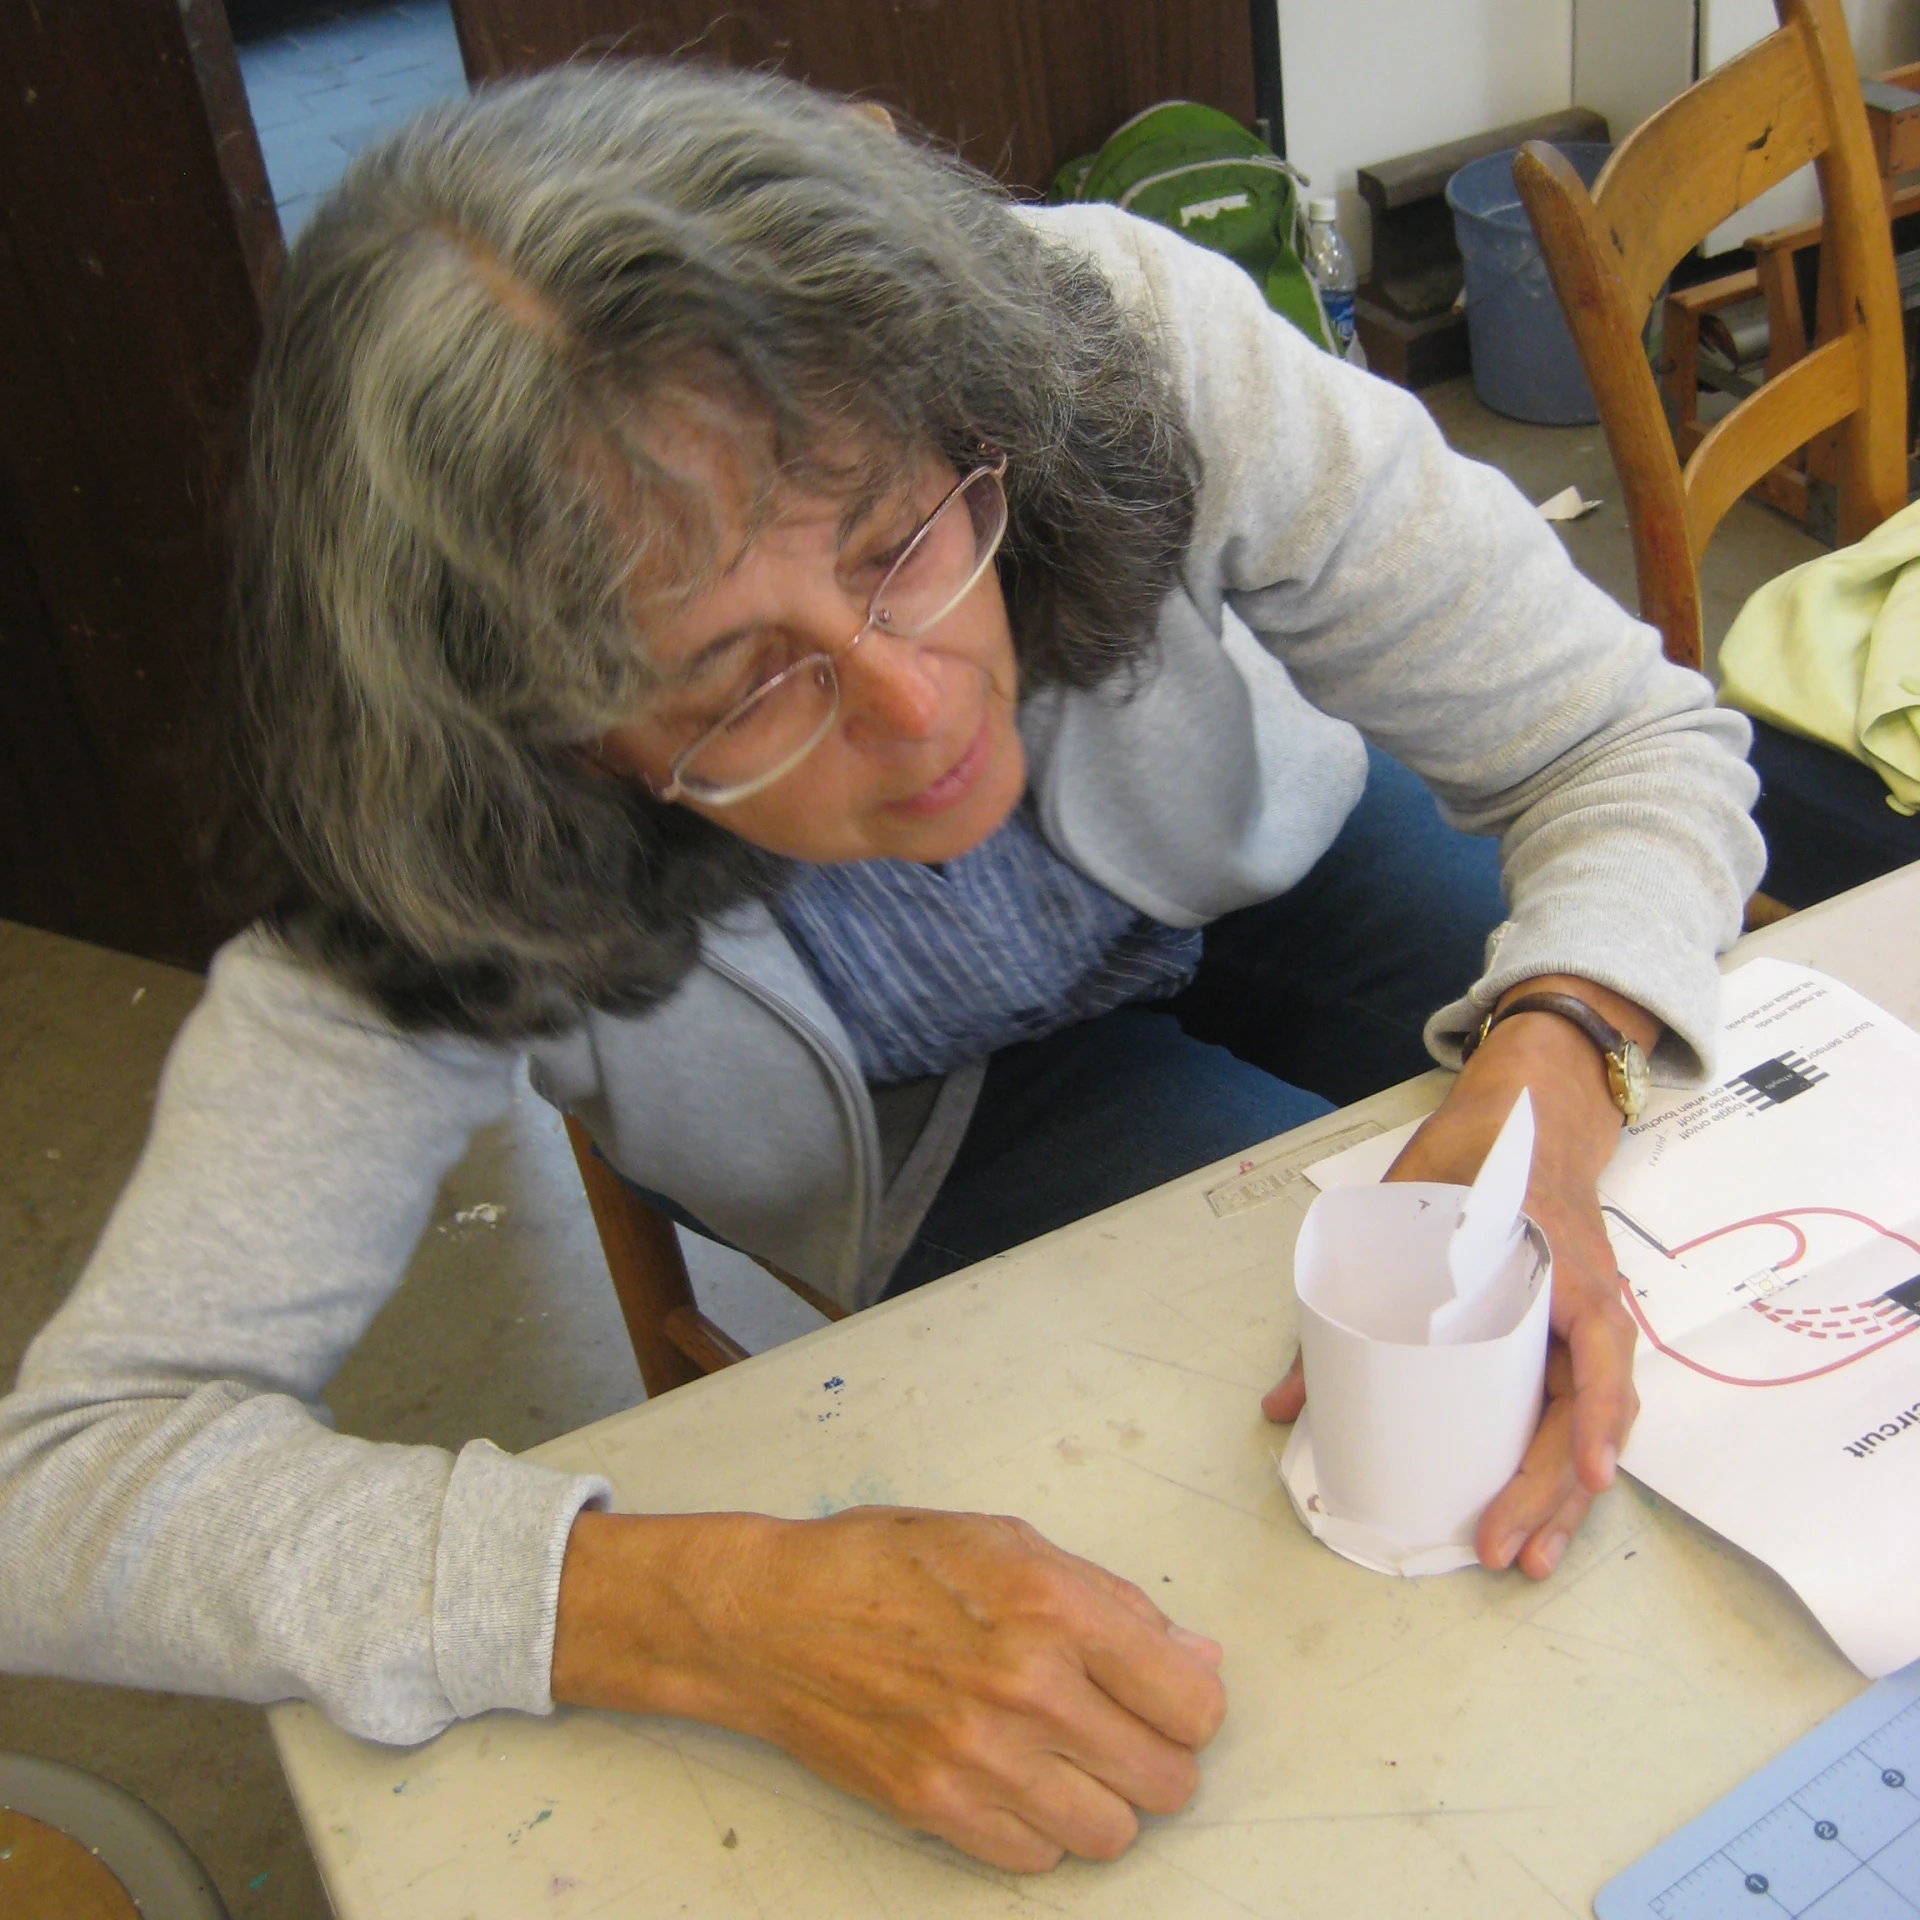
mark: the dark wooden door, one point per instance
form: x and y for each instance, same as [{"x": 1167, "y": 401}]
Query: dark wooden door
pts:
[
  {"x": 137, "y": 238},
  {"x": 1020, "y": 86}
]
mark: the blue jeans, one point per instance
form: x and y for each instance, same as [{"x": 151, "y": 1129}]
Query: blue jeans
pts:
[{"x": 1300, "y": 1004}]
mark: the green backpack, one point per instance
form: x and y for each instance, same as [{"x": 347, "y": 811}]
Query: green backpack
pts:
[{"x": 1200, "y": 172}]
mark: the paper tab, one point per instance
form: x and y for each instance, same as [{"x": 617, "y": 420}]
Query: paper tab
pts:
[{"x": 1489, "y": 1230}]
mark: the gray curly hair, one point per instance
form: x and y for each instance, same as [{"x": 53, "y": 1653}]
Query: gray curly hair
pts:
[{"x": 435, "y": 598}]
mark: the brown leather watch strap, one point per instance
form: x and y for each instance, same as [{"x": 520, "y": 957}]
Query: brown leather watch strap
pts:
[{"x": 1604, "y": 1035}]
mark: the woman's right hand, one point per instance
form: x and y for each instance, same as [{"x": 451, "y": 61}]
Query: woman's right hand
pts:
[{"x": 955, "y": 1669}]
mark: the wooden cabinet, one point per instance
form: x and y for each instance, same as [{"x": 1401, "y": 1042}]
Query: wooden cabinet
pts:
[
  {"x": 137, "y": 238},
  {"x": 1020, "y": 86}
]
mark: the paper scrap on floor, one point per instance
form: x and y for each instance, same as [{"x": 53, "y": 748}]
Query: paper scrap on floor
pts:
[
  {"x": 1567, "y": 504},
  {"x": 1767, "y": 1228}
]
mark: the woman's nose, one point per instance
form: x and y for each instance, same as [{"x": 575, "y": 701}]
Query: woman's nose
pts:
[{"x": 891, "y": 688}]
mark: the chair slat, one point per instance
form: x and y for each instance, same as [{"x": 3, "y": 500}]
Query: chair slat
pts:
[
  {"x": 1704, "y": 156},
  {"x": 1812, "y": 395},
  {"x": 709, "y": 1347}
]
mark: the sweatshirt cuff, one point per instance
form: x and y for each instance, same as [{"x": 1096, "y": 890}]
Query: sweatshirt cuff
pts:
[
  {"x": 496, "y": 1577},
  {"x": 1682, "y": 991}
]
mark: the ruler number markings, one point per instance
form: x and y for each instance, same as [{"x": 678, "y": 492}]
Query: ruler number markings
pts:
[{"x": 1807, "y": 1854}]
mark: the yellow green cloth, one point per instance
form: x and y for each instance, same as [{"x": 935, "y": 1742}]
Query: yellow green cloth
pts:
[{"x": 1831, "y": 650}]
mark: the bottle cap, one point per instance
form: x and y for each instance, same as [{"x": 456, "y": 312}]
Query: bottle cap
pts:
[{"x": 1323, "y": 208}]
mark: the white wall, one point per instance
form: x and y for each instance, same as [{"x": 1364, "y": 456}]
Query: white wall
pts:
[
  {"x": 1630, "y": 57},
  {"x": 1366, "y": 80},
  {"x": 1886, "y": 33}
]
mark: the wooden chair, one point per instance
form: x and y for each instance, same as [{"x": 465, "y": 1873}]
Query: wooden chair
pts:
[
  {"x": 1687, "y": 315},
  {"x": 1792, "y": 98},
  {"x": 673, "y": 1341}
]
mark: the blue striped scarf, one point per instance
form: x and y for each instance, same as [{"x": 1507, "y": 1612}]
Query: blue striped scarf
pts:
[{"x": 930, "y": 968}]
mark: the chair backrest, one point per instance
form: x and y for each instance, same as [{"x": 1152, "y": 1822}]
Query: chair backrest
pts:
[
  {"x": 1020, "y": 88},
  {"x": 1792, "y": 98}
]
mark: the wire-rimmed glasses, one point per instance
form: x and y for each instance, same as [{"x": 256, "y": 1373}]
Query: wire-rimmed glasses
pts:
[{"x": 788, "y": 714}]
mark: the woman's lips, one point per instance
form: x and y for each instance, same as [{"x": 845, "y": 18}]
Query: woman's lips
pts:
[{"x": 958, "y": 781}]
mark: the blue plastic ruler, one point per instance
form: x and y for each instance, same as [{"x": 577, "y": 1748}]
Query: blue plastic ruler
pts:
[{"x": 1830, "y": 1830}]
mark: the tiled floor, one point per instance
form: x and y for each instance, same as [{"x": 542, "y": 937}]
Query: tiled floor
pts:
[{"x": 325, "y": 78}]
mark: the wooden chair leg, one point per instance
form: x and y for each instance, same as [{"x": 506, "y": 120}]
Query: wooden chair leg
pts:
[
  {"x": 1763, "y": 910},
  {"x": 673, "y": 1342},
  {"x": 1786, "y": 329},
  {"x": 1680, "y": 370}
]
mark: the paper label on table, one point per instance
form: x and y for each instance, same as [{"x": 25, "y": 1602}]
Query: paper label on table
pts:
[
  {"x": 1366, "y": 1162},
  {"x": 1254, "y": 1183},
  {"x": 1768, "y": 1234},
  {"x": 1423, "y": 1328}
]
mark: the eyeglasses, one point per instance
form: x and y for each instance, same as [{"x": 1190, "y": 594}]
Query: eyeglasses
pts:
[{"x": 776, "y": 726}]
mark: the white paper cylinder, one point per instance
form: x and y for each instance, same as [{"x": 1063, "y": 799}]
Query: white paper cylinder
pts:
[{"x": 1411, "y": 1440}]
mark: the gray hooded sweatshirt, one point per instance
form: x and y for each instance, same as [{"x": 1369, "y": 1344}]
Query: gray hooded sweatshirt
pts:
[{"x": 175, "y": 1510}]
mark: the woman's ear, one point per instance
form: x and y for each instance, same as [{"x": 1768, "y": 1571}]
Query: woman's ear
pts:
[{"x": 608, "y": 759}]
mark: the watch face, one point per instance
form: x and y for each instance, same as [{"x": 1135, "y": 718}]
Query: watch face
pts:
[{"x": 1631, "y": 1080}]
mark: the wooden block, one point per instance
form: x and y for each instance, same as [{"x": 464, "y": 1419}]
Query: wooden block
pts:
[
  {"x": 1411, "y": 353},
  {"x": 1389, "y": 184},
  {"x": 1893, "y": 115},
  {"x": 1710, "y": 295},
  {"x": 1412, "y": 223}
]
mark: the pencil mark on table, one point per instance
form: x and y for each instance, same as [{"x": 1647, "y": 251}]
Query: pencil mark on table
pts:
[
  {"x": 854, "y": 1818},
  {"x": 737, "y": 1875},
  {"x": 1435, "y": 1812},
  {"x": 1554, "y": 1591},
  {"x": 1538, "y": 1882},
  {"x": 1180, "y": 1867},
  {"x": 1401, "y": 1653},
  {"x": 1615, "y": 1649},
  {"x": 1199, "y": 1493},
  {"x": 1178, "y": 1366}
]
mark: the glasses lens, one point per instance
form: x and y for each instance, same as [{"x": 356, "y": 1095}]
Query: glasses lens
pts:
[
  {"x": 765, "y": 735},
  {"x": 948, "y": 555}
]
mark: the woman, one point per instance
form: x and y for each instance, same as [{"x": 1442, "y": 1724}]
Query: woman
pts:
[{"x": 734, "y": 611}]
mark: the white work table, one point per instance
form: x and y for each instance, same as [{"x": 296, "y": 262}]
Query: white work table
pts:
[{"x": 1474, "y": 1745}]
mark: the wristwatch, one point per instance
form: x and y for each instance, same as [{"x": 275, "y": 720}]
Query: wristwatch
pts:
[{"x": 1627, "y": 1077}]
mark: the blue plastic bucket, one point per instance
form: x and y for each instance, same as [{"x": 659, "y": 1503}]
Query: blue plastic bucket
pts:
[{"x": 1524, "y": 363}]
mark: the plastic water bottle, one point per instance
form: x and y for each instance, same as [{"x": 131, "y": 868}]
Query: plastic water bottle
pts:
[{"x": 1331, "y": 264}]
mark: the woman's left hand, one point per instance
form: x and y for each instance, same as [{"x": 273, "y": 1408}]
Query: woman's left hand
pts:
[{"x": 1591, "y": 1402}]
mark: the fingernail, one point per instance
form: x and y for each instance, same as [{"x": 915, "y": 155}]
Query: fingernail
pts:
[
  {"x": 1551, "y": 1550},
  {"x": 1508, "y": 1550},
  {"x": 1609, "y": 1459}
]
